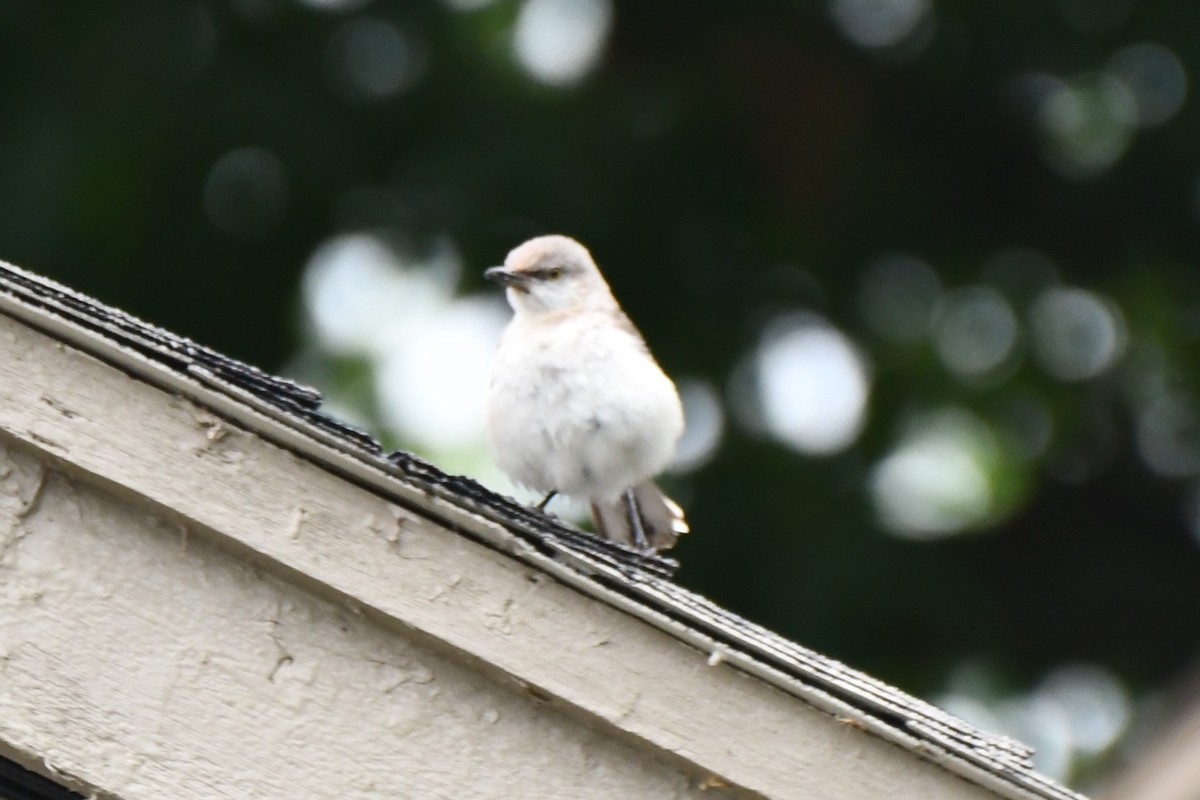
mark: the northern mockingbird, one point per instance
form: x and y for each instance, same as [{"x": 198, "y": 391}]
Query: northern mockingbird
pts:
[{"x": 576, "y": 403}]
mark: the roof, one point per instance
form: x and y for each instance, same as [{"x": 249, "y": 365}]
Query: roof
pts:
[{"x": 609, "y": 573}]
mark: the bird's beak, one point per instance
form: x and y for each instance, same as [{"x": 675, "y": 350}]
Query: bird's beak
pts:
[{"x": 505, "y": 277}]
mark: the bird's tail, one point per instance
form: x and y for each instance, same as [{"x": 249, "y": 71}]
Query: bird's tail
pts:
[{"x": 643, "y": 517}]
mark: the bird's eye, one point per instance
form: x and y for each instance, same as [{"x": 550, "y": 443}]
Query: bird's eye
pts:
[{"x": 554, "y": 274}]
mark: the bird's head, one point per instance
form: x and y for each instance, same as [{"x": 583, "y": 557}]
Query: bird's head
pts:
[{"x": 551, "y": 273}]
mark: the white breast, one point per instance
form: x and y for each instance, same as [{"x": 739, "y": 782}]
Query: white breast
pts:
[{"x": 580, "y": 407}]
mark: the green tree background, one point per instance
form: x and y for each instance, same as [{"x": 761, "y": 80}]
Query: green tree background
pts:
[{"x": 928, "y": 270}]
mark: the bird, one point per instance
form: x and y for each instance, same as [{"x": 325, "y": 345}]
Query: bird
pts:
[{"x": 576, "y": 404}]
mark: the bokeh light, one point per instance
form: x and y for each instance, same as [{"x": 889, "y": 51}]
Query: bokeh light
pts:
[
  {"x": 371, "y": 59},
  {"x": 879, "y": 24},
  {"x": 246, "y": 193},
  {"x": 334, "y": 6},
  {"x": 432, "y": 389},
  {"x": 1086, "y": 122},
  {"x": 897, "y": 297},
  {"x": 1095, "y": 703},
  {"x": 807, "y": 385},
  {"x": 1074, "y": 713},
  {"x": 705, "y": 424},
  {"x": 1077, "y": 334},
  {"x": 430, "y": 350},
  {"x": 357, "y": 291},
  {"x": 558, "y": 42},
  {"x": 1168, "y": 435},
  {"x": 468, "y": 5},
  {"x": 1155, "y": 78},
  {"x": 975, "y": 332},
  {"x": 938, "y": 480}
]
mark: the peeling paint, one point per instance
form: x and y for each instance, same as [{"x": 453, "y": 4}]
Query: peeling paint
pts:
[
  {"x": 414, "y": 672},
  {"x": 388, "y": 530},
  {"x": 630, "y": 706},
  {"x": 298, "y": 515},
  {"x": 59, "y": 407},
  {"x": 446, "y": 589},
  {"x": 712, "y": 782},
  {"x": 502, "y": 620},
  {"x": 8, "y": 545},
  {"x": 34, "y": 501},
  {"x": 220, "y": 439},
  {"x": 214, "y": 429},
  {"x": 21, "y": 491},
  {"x": 283, "y": 661},
  {"x": 46, "y": 441}
]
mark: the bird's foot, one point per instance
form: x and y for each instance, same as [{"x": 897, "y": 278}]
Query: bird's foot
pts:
[{"x": 546, "y": 500}]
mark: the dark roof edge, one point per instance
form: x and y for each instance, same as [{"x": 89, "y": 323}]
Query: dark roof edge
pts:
[{"x": 287, "y": 414}]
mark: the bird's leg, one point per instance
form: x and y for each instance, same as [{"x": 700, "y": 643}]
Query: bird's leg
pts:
[
  {"x": 635, "y": 522},
  {"x": 598, "y": 522},
  {"x": 545, "y": 500}
]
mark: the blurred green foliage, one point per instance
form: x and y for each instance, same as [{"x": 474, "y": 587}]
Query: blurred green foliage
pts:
[{"x": 726, "y": 163}]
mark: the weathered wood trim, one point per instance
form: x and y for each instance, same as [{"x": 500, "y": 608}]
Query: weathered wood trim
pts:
[{"x": 348, "y": 544}]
